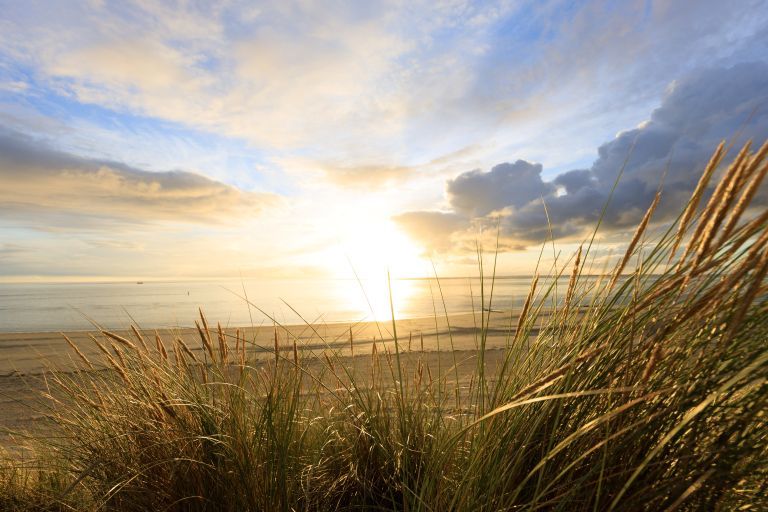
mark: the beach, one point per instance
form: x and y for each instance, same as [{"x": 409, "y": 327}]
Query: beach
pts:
[{"x": 26, "y": 357}]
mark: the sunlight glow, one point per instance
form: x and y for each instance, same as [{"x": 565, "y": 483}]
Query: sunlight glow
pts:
[
  {"x": 370, "y": 297},
  {"x": 370, "y": 249}
]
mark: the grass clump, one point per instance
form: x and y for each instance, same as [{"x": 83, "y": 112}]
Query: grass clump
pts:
[{"x": 642, "y": 390}]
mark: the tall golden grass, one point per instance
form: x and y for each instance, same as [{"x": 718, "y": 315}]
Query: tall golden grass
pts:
[{"x": 643, "y": 391}]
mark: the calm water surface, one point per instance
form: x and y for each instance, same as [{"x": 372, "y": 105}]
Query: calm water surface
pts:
[{"x": 73, "y": 306}]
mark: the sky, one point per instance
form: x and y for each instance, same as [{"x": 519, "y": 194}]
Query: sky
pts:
[{"x": 142, "y": 139}]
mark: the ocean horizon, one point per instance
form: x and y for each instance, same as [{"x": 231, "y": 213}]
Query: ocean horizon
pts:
[{"x": 152, "y": 304}]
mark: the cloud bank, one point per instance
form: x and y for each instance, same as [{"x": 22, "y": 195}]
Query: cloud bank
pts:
[
  {"x": 367, "y": 82},
  {"x": 697, "y": 112},
  {"x": 46, "y": 188}
]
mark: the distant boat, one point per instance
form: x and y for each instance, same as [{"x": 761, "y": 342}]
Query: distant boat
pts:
[{"x": 139, "y": 282}]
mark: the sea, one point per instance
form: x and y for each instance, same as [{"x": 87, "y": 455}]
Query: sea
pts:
[{"x": 44, "y": 307}]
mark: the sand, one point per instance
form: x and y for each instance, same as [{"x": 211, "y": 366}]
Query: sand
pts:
[{"x": 26, "y": 357}]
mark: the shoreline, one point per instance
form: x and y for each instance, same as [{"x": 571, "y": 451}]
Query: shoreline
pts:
[
  {"x": 30, "y": 353},
  {"x": 68, "y": 332},
  {"x": 25, "y": 358}
]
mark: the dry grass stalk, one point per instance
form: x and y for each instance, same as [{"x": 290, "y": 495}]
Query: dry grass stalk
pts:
[
  {"x": 160, "y": 346},
  {"x": 549, "y": 379},
  {"x": 77, "y": 351},
  {"x": 277, "y": 347},
  {"x": 176, "y": 355},
  {"x": 756, "y": 283},
  {"x": 659, "y": 292},
  {"x": 204, "y": 337},
  {"x": 526, "y": 306},
  {"x": 77, "y": 394},
  {"x": 749, "y": 261},
  {"x": 573, "y": 279},
  {"x": 656, "y": 355},
  {"x": 166, "y": 407},
  {"x": 746, "y": 233},
  {"x": 374, "y": 359},
  {"x": 418, "y": 374},
  {"x": 744, "y": 201},
  {"x": 120, "y": 356},
  {"x": 698, "y": 192},
  {"x": 734, "y": 180},
  {"x": 725, "y": 291},
  {"x": 205, "y": 325},
  {"x": 99, "y": 345},
  {"x": 755, "y": 161},
  {"x": 712, "y": 205},
  {"x": 635, "y": 239},
  {"x": 389, "y": 359},
  {"x": 183, "y": 364},
  {"x": 120, "y": 339},
  {"x": 186, "y": 350},
  {"x": 140, "y": 338},
  {"x": 97, "y": 393},
  {"x": 110, "y": 359},
  {"x": 714, "y": 298},
  {"x": 223, "y": 348}
]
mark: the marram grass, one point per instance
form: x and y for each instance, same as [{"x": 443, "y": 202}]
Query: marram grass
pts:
[{"x": 645, "y": 390}]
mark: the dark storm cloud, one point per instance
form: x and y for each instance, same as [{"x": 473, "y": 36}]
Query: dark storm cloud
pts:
[
  {"x": 697, "y": 112},
  {"x": 478, "y": 193},
  {"x": 573, "y": 181}
]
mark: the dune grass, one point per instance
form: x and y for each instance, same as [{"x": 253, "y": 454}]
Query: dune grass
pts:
[{"x": 643, "y": 390}]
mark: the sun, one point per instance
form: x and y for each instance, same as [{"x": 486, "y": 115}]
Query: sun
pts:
[
  {"x": 371, "y": 260},
  {"x": 371, "y": 248},
  {"x": 376, "y": 249}
]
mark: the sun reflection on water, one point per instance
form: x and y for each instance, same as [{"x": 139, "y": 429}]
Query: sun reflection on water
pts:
[{"x": 370, "y": 298}]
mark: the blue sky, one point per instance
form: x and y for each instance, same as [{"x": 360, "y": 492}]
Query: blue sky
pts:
[{"x": 284, "y": 138}]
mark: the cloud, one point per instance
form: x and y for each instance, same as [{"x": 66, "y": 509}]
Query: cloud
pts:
[
  {"x": 696, "y": 113},
  {"x": 434, "y": 229},
  {"x": 376, "y": 96},
  {"x": 476, "y": 193},
  {"x": 376, "y": 83},
  {"x": 366, "y": 175},
  {"x": 573, "y": 181},
  {"x": 9, "y": 250},
  {"x": 51, "y": 189},
  {"x": 278, "y": 78},
  {"x": 125, "y": 65}
]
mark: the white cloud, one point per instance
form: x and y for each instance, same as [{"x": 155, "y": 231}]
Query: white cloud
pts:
[
  {"x": 372, "y": 81},
  {"x": 49, "y": 189},
  {"x": 698, "y": 111}
]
